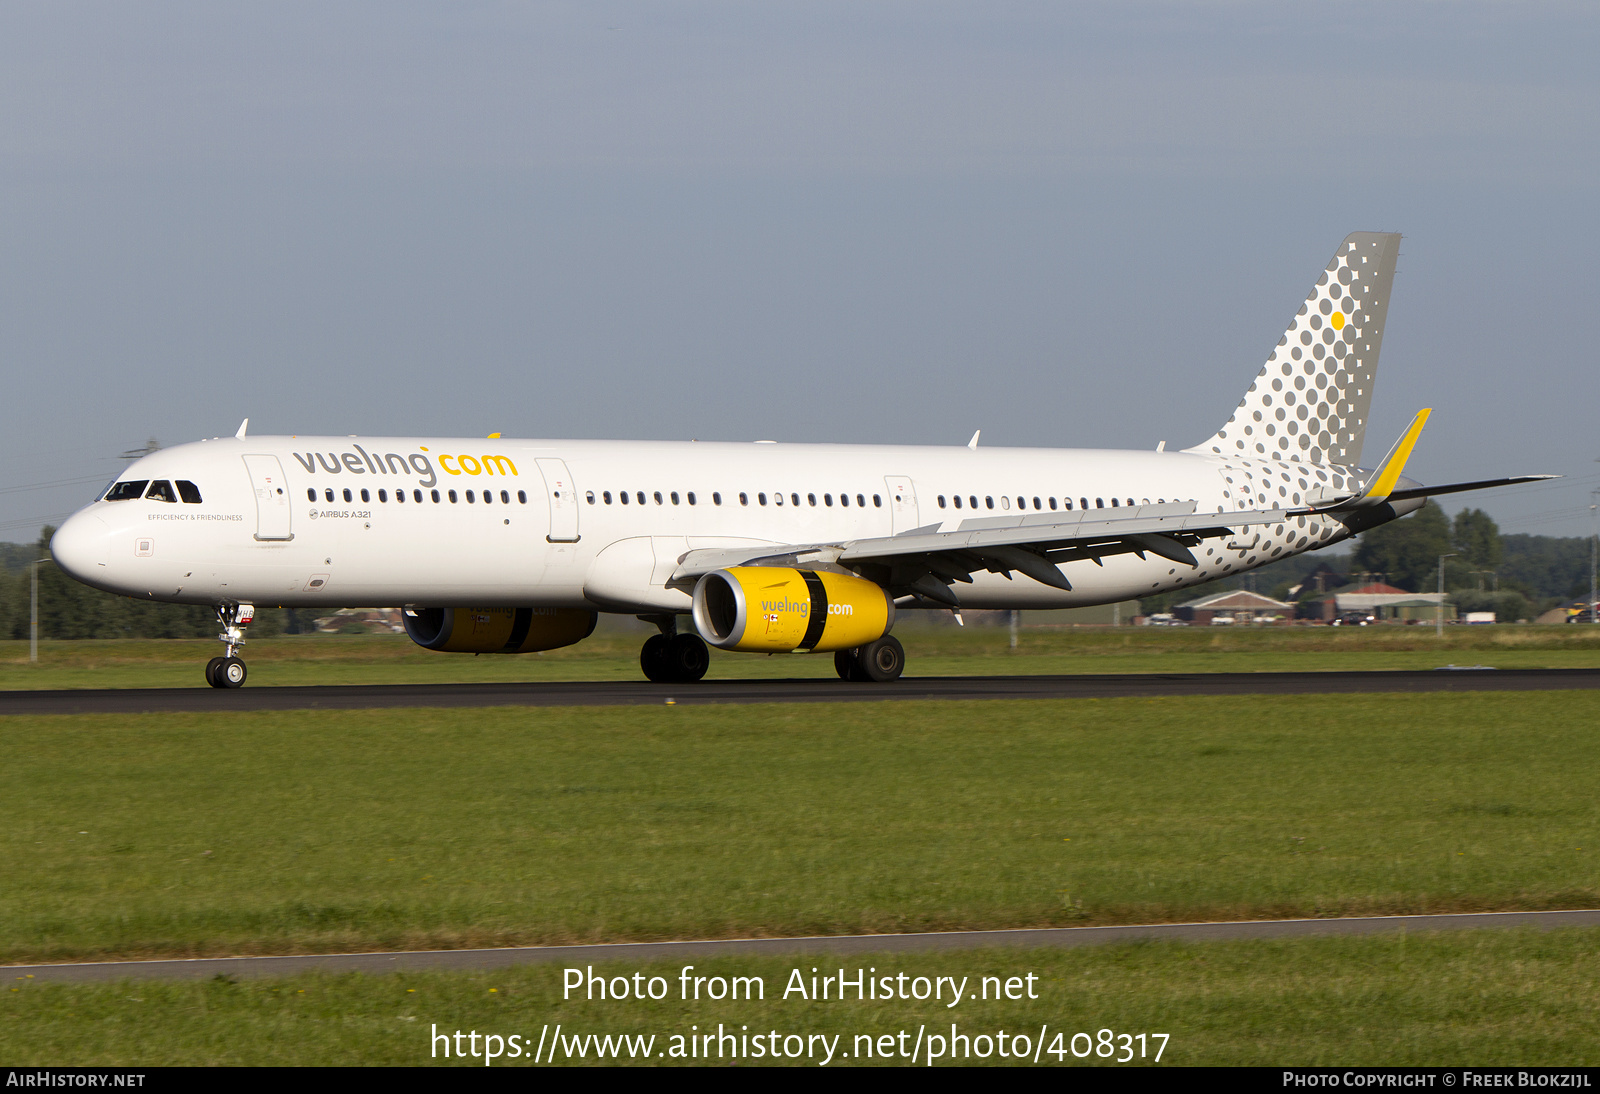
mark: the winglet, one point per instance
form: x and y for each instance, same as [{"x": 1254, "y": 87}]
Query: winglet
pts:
[
  {"x": 1388, "y": 473},
  {"x": 973, "y": 444},
  {"x": 244, "y": 425}
]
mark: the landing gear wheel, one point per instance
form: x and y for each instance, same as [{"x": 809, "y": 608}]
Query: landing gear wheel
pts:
[
  {"x": 653, "y": 659},
  {"x": 687, "y": 658},
  {"x": 883, "y": 660},
  {"x": 846, "y": 664},
  {"x": 211, "y": 671},
  {"x": 229, "y": 674}
]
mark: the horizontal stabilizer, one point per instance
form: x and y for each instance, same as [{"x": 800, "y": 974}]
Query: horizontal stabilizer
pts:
[{"x": 1460, "y": 487}]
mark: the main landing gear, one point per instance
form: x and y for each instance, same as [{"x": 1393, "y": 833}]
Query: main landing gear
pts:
[
  {"x": 878, "y": 662},
  {"x": 670, "y": 657},
  {"x": 228, "y": 671}
]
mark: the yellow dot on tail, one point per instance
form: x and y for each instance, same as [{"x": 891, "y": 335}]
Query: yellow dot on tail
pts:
[{"x": 1338, "y": 320}]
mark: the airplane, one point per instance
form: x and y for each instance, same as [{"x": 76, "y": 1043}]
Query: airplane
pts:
[{"x": 497, "y": 545}]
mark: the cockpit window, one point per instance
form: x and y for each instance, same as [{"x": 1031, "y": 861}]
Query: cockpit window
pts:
[
  {"x": 127, "y": 491},
  {"x": 189, "y": 492},
  {"x": 161, "y": 490}
]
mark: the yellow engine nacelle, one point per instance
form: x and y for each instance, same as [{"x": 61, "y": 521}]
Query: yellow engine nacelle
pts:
[
  {"x": 771, "y": 609},
  {"x": 498, "y": 630}
]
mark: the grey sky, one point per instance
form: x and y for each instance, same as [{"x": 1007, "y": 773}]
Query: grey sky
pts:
[{"x": 1067, "y": 225}]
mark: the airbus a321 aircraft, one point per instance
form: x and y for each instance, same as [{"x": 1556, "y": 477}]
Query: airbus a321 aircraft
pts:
[{"x": 511, "y": 546}]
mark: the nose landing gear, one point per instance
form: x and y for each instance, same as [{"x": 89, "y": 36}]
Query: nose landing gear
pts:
[{"x": 228, "y": 671}]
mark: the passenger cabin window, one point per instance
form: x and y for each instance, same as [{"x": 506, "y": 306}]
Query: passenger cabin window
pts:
[
  {"x": 744, "y": 498},
  {"x": 452, "y": 497},
  {"x": 762, "y": 498},
  {"x": 469, "y": 497},
  {"x": 505, "y": 497},
  {"x": 605, "y": 496},
  {"x": 777, "y": 499},
  {"x": 400, "y": 496},
  {"x": 957, "y": 500},
  {"x": 941, "y": 501},
  {"x": 812, "y": 498},
  {"x": 988, "y": 502},
  {"x": 796, "y": 499},
  {"x": 1052, "y": 503},
  {"x": 435, "y": 495},
  {"x": 588, "y": 496},
  {"x": 347, "y": 496},
  {"x": 861, "y": 500},
  {"x": 189, "y": 492},
  {"x": 689, "y": 497},
  {"x": 877, "y": 501},
  {"x": 311, "y": 493},
  {"x": 127, "y": 491},
  {"x": 638, "y": 496},
  {"x": 522, "y": 497},
  {"x": 972, "y": 501},
  {"x": 658, "y": 497},
  {"x": 1115, "y": 503},
  {"x": 1099, "y": 503},
  {"x": 328, "y": 494},
  {"x": 844, "y": 500},
  {"x": 624, "y": 496},
  {"x": 383, "y": 495},
  {"x": 161, "y": 490},
  {"x": 365, "y": 496},
  {"x": 674, "y": 497},
  {"x": 827, "y": 499}
]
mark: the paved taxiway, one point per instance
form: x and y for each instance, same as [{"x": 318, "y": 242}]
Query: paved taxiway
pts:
[
  {"x": 468, "y": 960},
  {"x": 641, "y": 693}
]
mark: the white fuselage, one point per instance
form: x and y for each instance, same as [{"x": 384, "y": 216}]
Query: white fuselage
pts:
[{"x": 315, "y": 521}]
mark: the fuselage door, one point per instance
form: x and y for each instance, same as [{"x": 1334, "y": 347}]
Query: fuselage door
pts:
[
  {"x": 902, "y": 503},
  {"x": 272, "y": 497},
  {"x": 558, "y": 490}
]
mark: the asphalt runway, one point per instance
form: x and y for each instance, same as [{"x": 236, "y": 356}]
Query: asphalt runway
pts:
[
  {"x": 642, "y": 693},
  {"x": 840, "y": 945}
]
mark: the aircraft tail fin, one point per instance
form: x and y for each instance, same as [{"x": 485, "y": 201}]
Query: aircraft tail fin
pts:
[{"x": 1310, "y": 400}]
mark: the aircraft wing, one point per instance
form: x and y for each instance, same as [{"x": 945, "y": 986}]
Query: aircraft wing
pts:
[{"x": 925, "y": 561}]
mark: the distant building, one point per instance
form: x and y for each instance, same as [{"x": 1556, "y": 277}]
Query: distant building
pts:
[
  {"x": 362, "y": 620},
  {"x": 1385, "y": 603},
  {"x": 1236, "y": 606}
]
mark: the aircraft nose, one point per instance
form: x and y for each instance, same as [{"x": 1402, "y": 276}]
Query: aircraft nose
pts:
[{"x": 79, "y": 546}]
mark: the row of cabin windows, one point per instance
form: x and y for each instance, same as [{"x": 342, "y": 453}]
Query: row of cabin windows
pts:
[
  {"x": 416, "y": 495},
  {"x": 638, "y": 497},
  {"x": 160, "y": 490},
  {"x": 971, "y": 502}
]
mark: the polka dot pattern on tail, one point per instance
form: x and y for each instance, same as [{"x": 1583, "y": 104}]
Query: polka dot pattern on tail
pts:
[{"x": 1310, "y": 400}]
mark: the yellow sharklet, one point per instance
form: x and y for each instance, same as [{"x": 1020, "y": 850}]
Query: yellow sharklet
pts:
[{"x": 1394, "y": 463}]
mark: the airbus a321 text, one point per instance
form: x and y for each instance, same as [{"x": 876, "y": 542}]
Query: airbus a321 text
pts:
[{"x": 511, "y": 546}]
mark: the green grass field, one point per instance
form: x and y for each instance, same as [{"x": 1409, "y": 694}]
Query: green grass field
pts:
[
  {"x": 1462, "y": 998},
  {"x": 612, "y": 654},
  {"x": 183, "y": 834}
]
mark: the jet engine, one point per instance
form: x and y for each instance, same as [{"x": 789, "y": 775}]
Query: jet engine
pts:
[
  {"x": 498, "y": 630},
  {"x": 770, "y": 609}
]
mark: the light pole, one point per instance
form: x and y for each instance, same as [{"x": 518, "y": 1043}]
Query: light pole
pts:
[
  {"x": 1594, "y": 557},
  {"x": 33, "y": 611},
  {"x": 1439, "y": 614}
]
